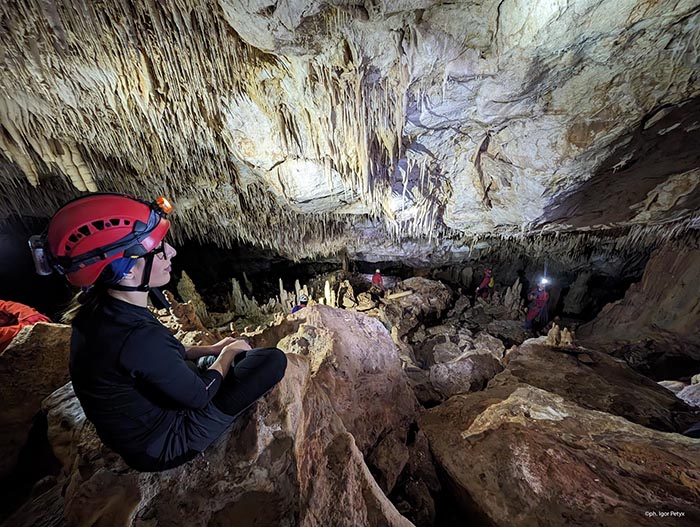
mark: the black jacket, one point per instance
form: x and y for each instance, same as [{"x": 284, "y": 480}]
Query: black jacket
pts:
[{"x": 130, "y": 375}]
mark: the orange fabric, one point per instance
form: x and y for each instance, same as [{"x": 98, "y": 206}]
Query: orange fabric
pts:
[{"x": 13, "y": 317}]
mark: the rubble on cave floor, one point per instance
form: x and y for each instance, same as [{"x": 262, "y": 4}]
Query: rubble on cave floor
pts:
[{"x": 347, "y": 421}]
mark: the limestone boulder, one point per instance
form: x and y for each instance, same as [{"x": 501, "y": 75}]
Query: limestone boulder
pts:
[
  {"x": 467, "y": 374},
  {"x": 510, "y": 332},
  {"x": 489, "y": 345},
  {"x": 690, "y": 394},
  {"x": 288, "y": 461},
  {"x": 516, "y": 455},
  {"x": 674, "y": 386},
  {"x": 463, "y": 344},
  {"x": 446, "y": 343},
  {"x": 596, "y": 381},
  {"x": 429, "y": 299},
  {"x": 183, "y": 320},
  {"x": 31, "y": 368},
  {"x": 355, "y": 361},
  {"x": 444, "y": 352}
]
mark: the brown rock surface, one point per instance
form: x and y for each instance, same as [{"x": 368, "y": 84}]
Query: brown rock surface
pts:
[
  {"x": 428, "y": 301},
  {"x": 184, "y": 322},
  {"x": 356, "y": 363},
  {"x": 659, "y": 316},
  {"x": 32, "y": 366},
  {"x": 596, "y": 381},
  {"x": 522, "y": 456},
  {"x": 288, "y": 461},
  {"x": 297, "y": 458}
]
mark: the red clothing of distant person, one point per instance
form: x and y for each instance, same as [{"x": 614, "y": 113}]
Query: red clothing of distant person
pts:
[
  {"x": 378, "y": 280},
  {"x": 537, "y": 304},
  {"x": 486, "y": 284},
  {"x": 13, "y": 317}
]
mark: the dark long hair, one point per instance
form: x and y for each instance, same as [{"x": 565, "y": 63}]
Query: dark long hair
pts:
[
  {"x": 87, "y": 301},
  {"x": 84, "y": 304}
]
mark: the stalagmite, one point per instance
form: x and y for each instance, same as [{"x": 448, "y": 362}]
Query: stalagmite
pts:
[{"x": 188, "y": 292}]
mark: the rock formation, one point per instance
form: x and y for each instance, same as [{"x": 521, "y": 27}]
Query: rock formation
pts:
[
  {"x": 555, "y": 440},
  {"x": 655, "y": 326},
  {"x": 517, "y": 455},
  {"x": 32, "y": 367},
  {"x": 300, "y": 457},
  {"x": 532, "y": 135},
  {"x": 673, "y": 268}
]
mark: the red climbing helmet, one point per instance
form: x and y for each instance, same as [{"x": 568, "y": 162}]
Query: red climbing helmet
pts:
[{"x": 90, "y": 232}]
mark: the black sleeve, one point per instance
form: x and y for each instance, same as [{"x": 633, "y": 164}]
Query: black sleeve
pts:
[{"x": 154, "y": 355}]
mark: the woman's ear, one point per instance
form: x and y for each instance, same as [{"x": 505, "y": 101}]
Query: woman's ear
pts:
[{"x": 133, "y": 272}]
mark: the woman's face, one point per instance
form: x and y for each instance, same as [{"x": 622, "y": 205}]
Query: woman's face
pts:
[
  {"x": 160, "y": 271},
  {"x": 162, "y": 265}
]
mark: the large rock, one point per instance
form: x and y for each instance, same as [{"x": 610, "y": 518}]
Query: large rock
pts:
[
  {"x": 447, "y": 342},
  {"x": 297, "y": 458},
  {"x": 429, "y": 299},
  {"x": 654, "y": 327},
  {"x": 31, "y": 368},
  {"x": 489, "y": 345},
  {"x": 596, "y": 381},
  {"x": 674, "y": 386},
  {"x": 510, "y": 332},
  {"x": 467, "y": 374},
  {"x": 691, "y": 395},
  {"x": 288, "y": 461},
  {"x": 519, "y": 456},
  {"x": 354, "y": 359}
]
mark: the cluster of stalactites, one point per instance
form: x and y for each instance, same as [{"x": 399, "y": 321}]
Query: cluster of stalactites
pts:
[
  {"x": 576, "y": 248},
  {"x": 95, "y": 98}
]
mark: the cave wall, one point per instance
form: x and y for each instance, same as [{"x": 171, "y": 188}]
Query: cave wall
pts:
[{"x": 665, "y": 303}]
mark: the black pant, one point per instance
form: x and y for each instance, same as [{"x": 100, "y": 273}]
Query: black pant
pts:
[{"x": 252, "y": 375}]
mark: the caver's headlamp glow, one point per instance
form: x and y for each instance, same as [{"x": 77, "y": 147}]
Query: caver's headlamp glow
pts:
[{"x": 543, "y": 281}]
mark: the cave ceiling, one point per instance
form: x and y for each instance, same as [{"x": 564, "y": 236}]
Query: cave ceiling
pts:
[{"x": 386, "y": 128}]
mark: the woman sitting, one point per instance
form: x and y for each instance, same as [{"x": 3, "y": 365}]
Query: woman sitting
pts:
[{"x": 131, "y": 375}]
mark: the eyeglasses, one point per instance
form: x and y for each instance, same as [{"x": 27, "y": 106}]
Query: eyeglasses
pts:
[{"x": 160, "y": 251}]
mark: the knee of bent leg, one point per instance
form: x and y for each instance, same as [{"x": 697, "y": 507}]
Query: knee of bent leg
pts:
[{"x": 277, "y": 363}]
